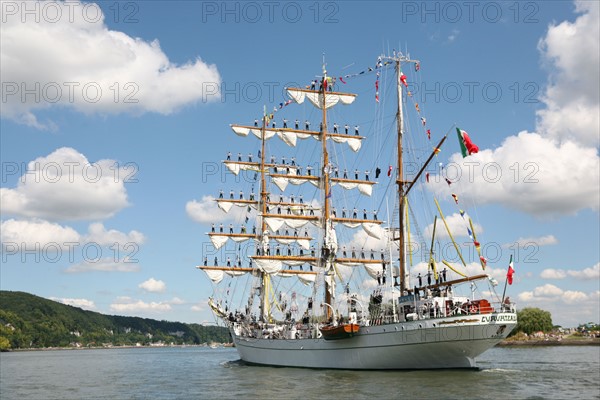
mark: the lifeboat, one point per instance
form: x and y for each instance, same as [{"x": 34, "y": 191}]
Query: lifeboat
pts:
[{"x": 338, "y": 332}]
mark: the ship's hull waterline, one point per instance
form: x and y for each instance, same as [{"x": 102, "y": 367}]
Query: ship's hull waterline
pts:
[{"x": 424, "y": 344}]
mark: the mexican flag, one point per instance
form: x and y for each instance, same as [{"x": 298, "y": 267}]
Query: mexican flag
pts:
[
  {"x": 467, "y": 147},
  {"x": 511, "y": 271}
]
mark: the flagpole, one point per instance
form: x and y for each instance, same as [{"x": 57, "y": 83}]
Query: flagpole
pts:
[{"x": 505, "y": 282}]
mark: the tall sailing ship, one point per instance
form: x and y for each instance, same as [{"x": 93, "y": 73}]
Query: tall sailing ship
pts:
[{"x": 302, "y": 287}]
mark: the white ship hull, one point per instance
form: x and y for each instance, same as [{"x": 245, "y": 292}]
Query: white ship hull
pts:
[{"x": 451, "y": 342}]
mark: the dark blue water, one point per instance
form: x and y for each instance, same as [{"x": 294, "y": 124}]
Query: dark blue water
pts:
[{"x": 204, "y": 373}]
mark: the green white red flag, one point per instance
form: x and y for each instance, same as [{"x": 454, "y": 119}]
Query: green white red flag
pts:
[
  {"x": 511, "y": 271},
  {"x": 467, "y": 147}
]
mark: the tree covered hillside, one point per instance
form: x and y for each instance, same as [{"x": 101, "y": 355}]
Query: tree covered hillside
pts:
[{"x": 28, "y": 321}]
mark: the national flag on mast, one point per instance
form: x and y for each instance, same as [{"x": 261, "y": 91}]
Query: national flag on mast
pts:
[
  {"x": 511, "y": 271},
  {"x": 467, "y": 147},
  {"x": 390, "y": 169},
  {"x": 403, "y": 79}
]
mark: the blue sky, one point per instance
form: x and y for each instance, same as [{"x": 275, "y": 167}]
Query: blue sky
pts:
[{"x": 521, "y": 78}]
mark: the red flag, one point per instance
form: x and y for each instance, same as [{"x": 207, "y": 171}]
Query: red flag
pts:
[
  {"x": 427, "y": 176},
  {"x": 448, "y": 181},
  {"x": 429, "y": 134},
  {"x": 511, "y": 271},
  {"x": 455, "y": 197},
  {"x": 403, "y": 79},
  {"x": 483, "y": 261},
  {"x": 390, "y": 169},
  {"x": 341, "y": 80}
]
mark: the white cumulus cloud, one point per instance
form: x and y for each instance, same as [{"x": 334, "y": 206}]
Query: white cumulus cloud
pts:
[
  {"x": 556, "y": 169},
  {"x": 127, "y": 305},
  {"x": 65, "y": 186},
  {"x": 36, "y": 234},
  {"x": 105, "y": 264},
  {"x": 153, "y": 285},
  {"x": 81, "y": 303},
  {"x": 571, "y": 50},
  {"x": 555, "y": 178},
  {"x": 584, "y": 274},
  {"x": 91, "y": 68},
  {"x": 97, "y": 233},
  {"x": 206, "y": 211},
  {"x": 537, "y": 241},
  {"x": 551, "y": 273}
]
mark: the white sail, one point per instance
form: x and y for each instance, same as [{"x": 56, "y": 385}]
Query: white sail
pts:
[
  {"x": 237, "y": 167},
  {"x": 214, "y": 275},
  {"x": 364, "y": 188},
  {"x": 269, "y": 266},
  {"x": 354, "y": 142},
  {"x": 289, "y": 138},
  {"x": 226, "y": 205},
  {"x": 373, "y": 230},
  {"x": 304, "y": 243},
  {"x": 374, "y": 270},
  {"x": 316, "y": 98},
  {"x": 218, "y": 241},
  {"x": 276, "y": 223}
]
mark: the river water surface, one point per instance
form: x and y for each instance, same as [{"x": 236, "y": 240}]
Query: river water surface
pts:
[{"x": 562, "y": 372}]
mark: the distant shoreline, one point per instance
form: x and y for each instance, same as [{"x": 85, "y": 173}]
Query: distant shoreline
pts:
[
  {"x": 504, "y": 343},
  {"x": 550, "y": 342},
  {"x": 219, "y": 345}
]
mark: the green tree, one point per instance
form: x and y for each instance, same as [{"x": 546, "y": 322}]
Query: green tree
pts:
[
  {"x": 533, "y": 320},
  {"x": 4, "y": 343}
]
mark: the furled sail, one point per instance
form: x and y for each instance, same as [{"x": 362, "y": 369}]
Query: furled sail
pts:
[
  {"x": 236, "y": 167},
  {"x": 316, "y": 98}
]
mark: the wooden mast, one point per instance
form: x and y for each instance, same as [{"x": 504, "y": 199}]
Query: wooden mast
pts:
[
  {"x": 326, "y": 188},
  {"x": 400, "y": 181},
  {"x": 264, "y": 307}
]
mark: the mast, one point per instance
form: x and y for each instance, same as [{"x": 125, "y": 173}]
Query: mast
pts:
[
  {"x": 326, "y": 189},
  {"x": 397, "y": 58},
  {"x": 263, "y": 201},
  {"x": 400, "y": 181}
]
